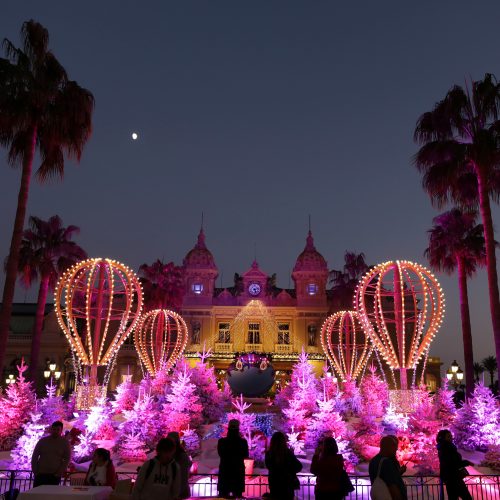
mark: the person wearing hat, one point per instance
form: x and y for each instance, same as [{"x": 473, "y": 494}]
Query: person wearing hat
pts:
[{"x": 232, "y": 449}]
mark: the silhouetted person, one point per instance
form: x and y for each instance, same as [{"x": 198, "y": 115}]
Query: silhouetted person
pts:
[
  {"x": 452, "y": 467},
  {"x": 328, "y": 467},
  {"x": 184, "y": 462},
  {"x": 283, "y": 467},
  {"x": 160, "y": 477},
  {"x": 51, "y": 457},
  {"x": 233, "y": 450},
  {"x": 390, "y": 471},
  {"x": 101, "y": 470}
]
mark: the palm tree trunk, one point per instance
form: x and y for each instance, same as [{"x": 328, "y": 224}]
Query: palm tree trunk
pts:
[
  {"x": 491, "y": 263},
  {"x": 466, "y": 328},
  {"x": 15, "y": 244},
  {"x": 37, "y": 331}
]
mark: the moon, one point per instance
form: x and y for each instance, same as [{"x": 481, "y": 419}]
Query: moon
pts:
[{"x": 134, "y": 136}]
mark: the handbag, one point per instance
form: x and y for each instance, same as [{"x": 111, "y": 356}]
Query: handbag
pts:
[
  {"x": 346, "y": 483},
  {"x": 380, "y": 490}
]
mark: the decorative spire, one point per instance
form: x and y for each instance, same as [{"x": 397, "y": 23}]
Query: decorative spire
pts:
[
  {"x": 201, "y": 239},
  {"x": 310, "y": 242}
]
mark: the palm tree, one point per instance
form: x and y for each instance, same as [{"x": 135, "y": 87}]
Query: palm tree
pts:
[
  {"x": 46, "y": 252},
  {"x": 163, "y": 285},
  {"x": 490, "y": 365},
  {"x": 344, "y": 281},
  {"x": 478, "y": 370},
  {"x": 460, "y": 161},
  {"x": 456, "y": 243},
  {"x": 40, "y": 108}
]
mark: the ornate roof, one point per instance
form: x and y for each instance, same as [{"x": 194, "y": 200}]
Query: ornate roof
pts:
[
  {"x": 310, "y": 259},
  {"x": 200, "y": 256}
]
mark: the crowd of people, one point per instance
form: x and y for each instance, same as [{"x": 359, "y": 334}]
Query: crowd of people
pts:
[{"x": 166, "y": 475}]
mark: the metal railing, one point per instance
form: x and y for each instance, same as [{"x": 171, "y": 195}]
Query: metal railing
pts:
[{"x": 485, "y": 487}]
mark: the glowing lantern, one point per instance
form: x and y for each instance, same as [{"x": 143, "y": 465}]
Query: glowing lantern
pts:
[
  {"x": 160, "y": 339},
  {"x": 98, "y": 303},
  {"x": 401, "y": 306},
  {"x": 345, "y": 344}
]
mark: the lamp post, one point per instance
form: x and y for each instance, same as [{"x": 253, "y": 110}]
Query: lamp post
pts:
[
  {"x": 51, "y": 372},
  {"x": 10, "y": 379},
  {"x": 455, "y": 375}
]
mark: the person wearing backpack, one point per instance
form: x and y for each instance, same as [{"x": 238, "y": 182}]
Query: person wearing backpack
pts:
[
  {"x": 386, "y": 473},
  {"x": 159, "y": 478}
]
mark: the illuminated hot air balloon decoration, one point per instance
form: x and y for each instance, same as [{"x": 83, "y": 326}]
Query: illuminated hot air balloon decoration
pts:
[
  {"x": 401, "y": 306},
  {"x": 160, "y": 339},
  {"x": 345, "y": 344},
  {"x": 98, "y": 303}
]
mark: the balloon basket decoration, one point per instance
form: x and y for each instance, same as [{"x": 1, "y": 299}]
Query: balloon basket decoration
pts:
[
  {"x": 401, "y": 307},
  {"x": 160, "y": 339},
  {"x": 346, "y": 345},
  {"x": 87, "y": 396},
  {"x": 98, "y": 303}
]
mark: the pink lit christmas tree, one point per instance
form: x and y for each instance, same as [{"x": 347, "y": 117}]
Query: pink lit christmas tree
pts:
[
  {"x": 98, "y": 422},
  {"x": 52, "y": 407},
  {"x": 351, "y": 397},
  {"x": 182, "y": 408},
  {"x": 299, "y": 397},
  {"x": 33, "y": 430},
  {"x": 125, "y": 397},
  {"x": 85, "y": 448},
  {"x": 325, "y": 422},
  {"x": 133, "y": 448},
  {"x": 374, "y": 394},
  {"x": 477, "y": 425},
  {"x": 15, "y": 408},
  {"x": 444, "y": 407},
  {"x": 212, "y": 400},
  {"x": 142, "y": 419}
]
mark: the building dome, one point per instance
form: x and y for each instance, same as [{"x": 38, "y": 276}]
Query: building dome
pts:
[
  {"x": 310, "y": 259},
  {"x": 200, "y": 256}
]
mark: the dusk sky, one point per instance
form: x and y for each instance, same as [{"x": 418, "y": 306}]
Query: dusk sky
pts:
[{"x": 258, "y": 113}]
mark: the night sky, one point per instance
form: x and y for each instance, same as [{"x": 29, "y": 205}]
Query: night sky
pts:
[{"x": 258, "y": 113}]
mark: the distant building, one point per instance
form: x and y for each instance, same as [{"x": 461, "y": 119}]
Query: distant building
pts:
[{"x": 254, "y": 315}]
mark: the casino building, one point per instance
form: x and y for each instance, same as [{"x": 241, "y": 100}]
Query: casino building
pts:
[{"x": 254, "y": 315}]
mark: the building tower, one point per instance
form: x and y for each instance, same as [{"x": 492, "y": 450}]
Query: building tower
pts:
[
  {"x": 200, "y": 273},
  {"x": 310, "y": 275}
]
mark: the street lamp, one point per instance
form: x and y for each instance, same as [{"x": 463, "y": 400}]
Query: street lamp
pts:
[{"x": 455, "y": 375}]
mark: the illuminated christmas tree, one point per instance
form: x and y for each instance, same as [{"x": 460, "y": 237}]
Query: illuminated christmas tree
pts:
[
  {"x": 325, "y": 422},
  {"x": 33, "y": 430},
  {"x": 351, "y": 397},
  {"x": 52, "y": 407},
  {"x": 132, "y": 448},
  {"x": 182, "y": 408},
  {"x": 212, "y": 400},
  {"x": 477, "y": 424},
  {"x": 125, "y": 397},
  {"x": 142, "y": 419},
  {"x": 98, "y": 422},
  {"x": 85, "y": 448},
  {"x": 444, "y": 407},
  {"x": 15, "y": 408},
  {"x": 374, "y": 394},
  {"x": 299, "y": 397}
]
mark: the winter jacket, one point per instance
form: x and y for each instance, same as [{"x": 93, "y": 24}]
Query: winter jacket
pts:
[{"x": 450, "y": 461}]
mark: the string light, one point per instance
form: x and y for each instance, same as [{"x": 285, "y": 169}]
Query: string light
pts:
[
  {"x": 160, "y": 339},
  {"x": 345, "y": 344},
  {"x": 401, "y": 307}
]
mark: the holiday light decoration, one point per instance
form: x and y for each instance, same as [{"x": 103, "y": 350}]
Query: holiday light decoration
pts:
[
  {"x": 401, "y": 306},
  {"x": 160, "y": 339},
  {"x": 98, "y": 303},
  {"x": 345, "y": 344}
]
